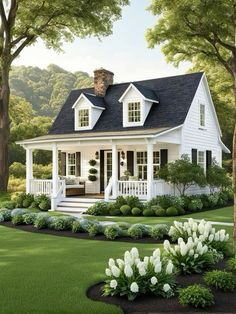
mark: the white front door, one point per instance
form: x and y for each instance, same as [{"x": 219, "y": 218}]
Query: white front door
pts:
[{"x": 107, "y": 167}]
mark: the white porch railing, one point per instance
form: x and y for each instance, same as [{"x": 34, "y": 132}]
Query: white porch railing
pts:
[
  {"x": 40, "y": 186},
  {"x": 135, "y": 188},
  {"x": 160, "y": 187}
]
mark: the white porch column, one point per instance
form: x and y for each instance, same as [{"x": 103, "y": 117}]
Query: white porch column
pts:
[
  {"x": 29, "y": 168},
  {"x": 149, "y": 170},
  {"x": 114, "y": 170},
  {"x": 54, "y": 170}
]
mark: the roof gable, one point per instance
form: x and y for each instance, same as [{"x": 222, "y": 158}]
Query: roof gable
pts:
[
  {"x": 175, "y": 95},
  {"x": 94, "y": 101},
  {"x": 145, "y": 92}
]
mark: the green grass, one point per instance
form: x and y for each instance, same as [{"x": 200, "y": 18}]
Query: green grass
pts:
[
  {"x": 221, "y": 215},
  {"x": 48, "y": 274}
]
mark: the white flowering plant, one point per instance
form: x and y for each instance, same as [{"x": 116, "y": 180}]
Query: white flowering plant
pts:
[
  {"x": 191, "y": 256},
  {"x": 133, "y": 275},
  {"x": 202, "y": 230}
]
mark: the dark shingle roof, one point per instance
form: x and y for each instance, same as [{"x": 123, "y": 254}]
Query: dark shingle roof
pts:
[
  {"x": 175, "y": 95},
  {"x": 146, "y": 92},
  {"x": 95, "y": 100}
]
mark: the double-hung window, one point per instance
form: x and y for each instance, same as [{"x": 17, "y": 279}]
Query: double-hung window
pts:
[
  {"x": 142, "y": 164},
  {"x": 202, "y": 116},
  {"x": 83, "y": 118},
  {"x": 156, "y": 164},
  {"x": 201, "y": 159},
  {"x": 71, "y": 164},
  {"x": 134, "y": 112}
]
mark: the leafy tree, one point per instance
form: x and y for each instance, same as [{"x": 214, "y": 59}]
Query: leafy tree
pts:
[
  {"x": 46, "y": 89},
  {"x": 183, "y": 174},
  {"x": 217, "y": 177},
  {"x": 202, "y": 30},
  {"x": 23, "y": 22},
  {"x": 24, "y": 124}
]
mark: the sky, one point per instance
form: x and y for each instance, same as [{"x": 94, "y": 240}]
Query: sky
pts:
[{"x": 125, "y": 52}]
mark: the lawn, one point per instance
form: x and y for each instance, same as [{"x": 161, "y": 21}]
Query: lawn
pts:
[
  {"x": 221, "y": 215},
  {"x": 49, "y": 274}
]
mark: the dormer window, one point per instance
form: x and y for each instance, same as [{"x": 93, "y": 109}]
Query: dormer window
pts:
[
  {"x": 87, "y": 110},
  {"x": 134, "y": 112},
  {"x": 83, "y": 118},
  {"x": 137, "y": 101}
]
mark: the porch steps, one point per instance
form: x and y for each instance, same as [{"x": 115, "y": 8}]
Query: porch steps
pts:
[{"x": 76, "y": 205}]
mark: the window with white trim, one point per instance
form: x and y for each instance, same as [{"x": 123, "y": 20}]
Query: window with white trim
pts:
[
  {"x": 83, "y": 118},
  {"x": 134, "y": 112},
  {"x": 156, "y": 164},
  {"x": 201, "y": 159},
  {"x": 71, "y": 164},
  {"x": 202, "y": 116},
  {"x": 142, "y": 164}
]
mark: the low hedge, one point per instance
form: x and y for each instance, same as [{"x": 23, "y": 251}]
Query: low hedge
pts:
[
  {"x": 160, "y": 206},
  {"x": 20, "y": 216}
]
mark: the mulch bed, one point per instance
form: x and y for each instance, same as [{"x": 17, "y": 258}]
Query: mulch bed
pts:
[
  {"x": 225, "y": 302},
  {"x": 82, "y": 235}
]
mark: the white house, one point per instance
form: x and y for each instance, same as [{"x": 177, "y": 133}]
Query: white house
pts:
[{"x": 134, "y": 126}]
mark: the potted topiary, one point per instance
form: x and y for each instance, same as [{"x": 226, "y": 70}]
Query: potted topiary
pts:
[
  {"x": 92, "y": 162},
  {"x": 92, "y": 178}
]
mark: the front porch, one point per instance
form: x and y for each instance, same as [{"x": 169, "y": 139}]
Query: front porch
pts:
[{"x": 104, "y": 167}]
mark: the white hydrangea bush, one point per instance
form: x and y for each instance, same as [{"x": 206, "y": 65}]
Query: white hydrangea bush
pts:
[
  {"x": 191, "y": 256},
  {"x": 133, "y": 275},
  {"x": 202, "y": 230}
]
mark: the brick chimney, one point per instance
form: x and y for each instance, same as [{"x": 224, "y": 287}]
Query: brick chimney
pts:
[{"x": 102, "y": 79}]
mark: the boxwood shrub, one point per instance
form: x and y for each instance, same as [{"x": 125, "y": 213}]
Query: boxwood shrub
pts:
[
  {"x": 172, "y": 211},
  {"x": 112, "y": 232},
  {"x": 136, "y": 211},
  {"x": 159, "y": 231},
  {"x": 125, "y": 210},
  {"x": 221, "y": 280},
  {"x": 196, "y": 296}
]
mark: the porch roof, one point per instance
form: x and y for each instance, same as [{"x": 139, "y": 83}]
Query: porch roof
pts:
[{"x": 94, "y": 135}]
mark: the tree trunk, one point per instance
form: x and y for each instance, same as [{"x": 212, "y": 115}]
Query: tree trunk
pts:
[{"x": 4, "y": 127}]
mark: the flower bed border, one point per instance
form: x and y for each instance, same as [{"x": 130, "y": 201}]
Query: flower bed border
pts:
[
  {"x": 79, "y": 235},
  {"x": 225, "y": 302}
]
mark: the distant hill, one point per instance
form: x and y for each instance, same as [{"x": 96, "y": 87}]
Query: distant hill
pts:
[{"x": 46, "y": 89}]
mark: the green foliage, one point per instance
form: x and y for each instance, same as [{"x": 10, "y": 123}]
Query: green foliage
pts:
[
  {"x": 29, "y": 218},
  {"x": 99, "y": 209},
  {"x": 217, "y": 177},
  {"x": 172, "y": 211},
  {"x": 165, "y": 201},
  {"x": 114, "y": 211},
  {"x": 125, "y": 210},
  {"x": 6, "y": 214},
  {"x": 112, "y": 232},
  {"x": 8, "y": 204},
  {"x": 231, "y": 264},
  {"x": 158, "y": 232},
  {"x": 160, "y": 212},
  {"x": 136, "y": 231},
  {"x": 196, "y": 296},
  {"x": 195, "y": 204},
  {"x": 92, "y": 178},
  {"x": 221, "y": 280},
  {"x": 92, "y": 162},
  {"x": 77, "y": 227},
  {"x": 93, "y": 171},
  {"x": 62, "y": 223},
  {"x": 94, "y": 229},
  {"x": 182, "y": 173},
  {"x": 136, "y": 211},
  {"x": 17, "y": 219},
  {"x": 41, "y": 221},
  {"x": 42, "y": 202},
  {"x": 132, "y": 201},
  {"x": 148, "y": 212}
]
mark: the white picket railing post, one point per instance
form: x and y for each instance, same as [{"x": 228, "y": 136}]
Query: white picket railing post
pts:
[{"x": 29, "y": 169}]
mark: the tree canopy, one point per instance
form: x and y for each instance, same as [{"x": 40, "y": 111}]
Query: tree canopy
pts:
[{"x": 46, "y": 89}]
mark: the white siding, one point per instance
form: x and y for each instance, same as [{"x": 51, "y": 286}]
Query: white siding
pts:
[{"x": 195, "y": 137}]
